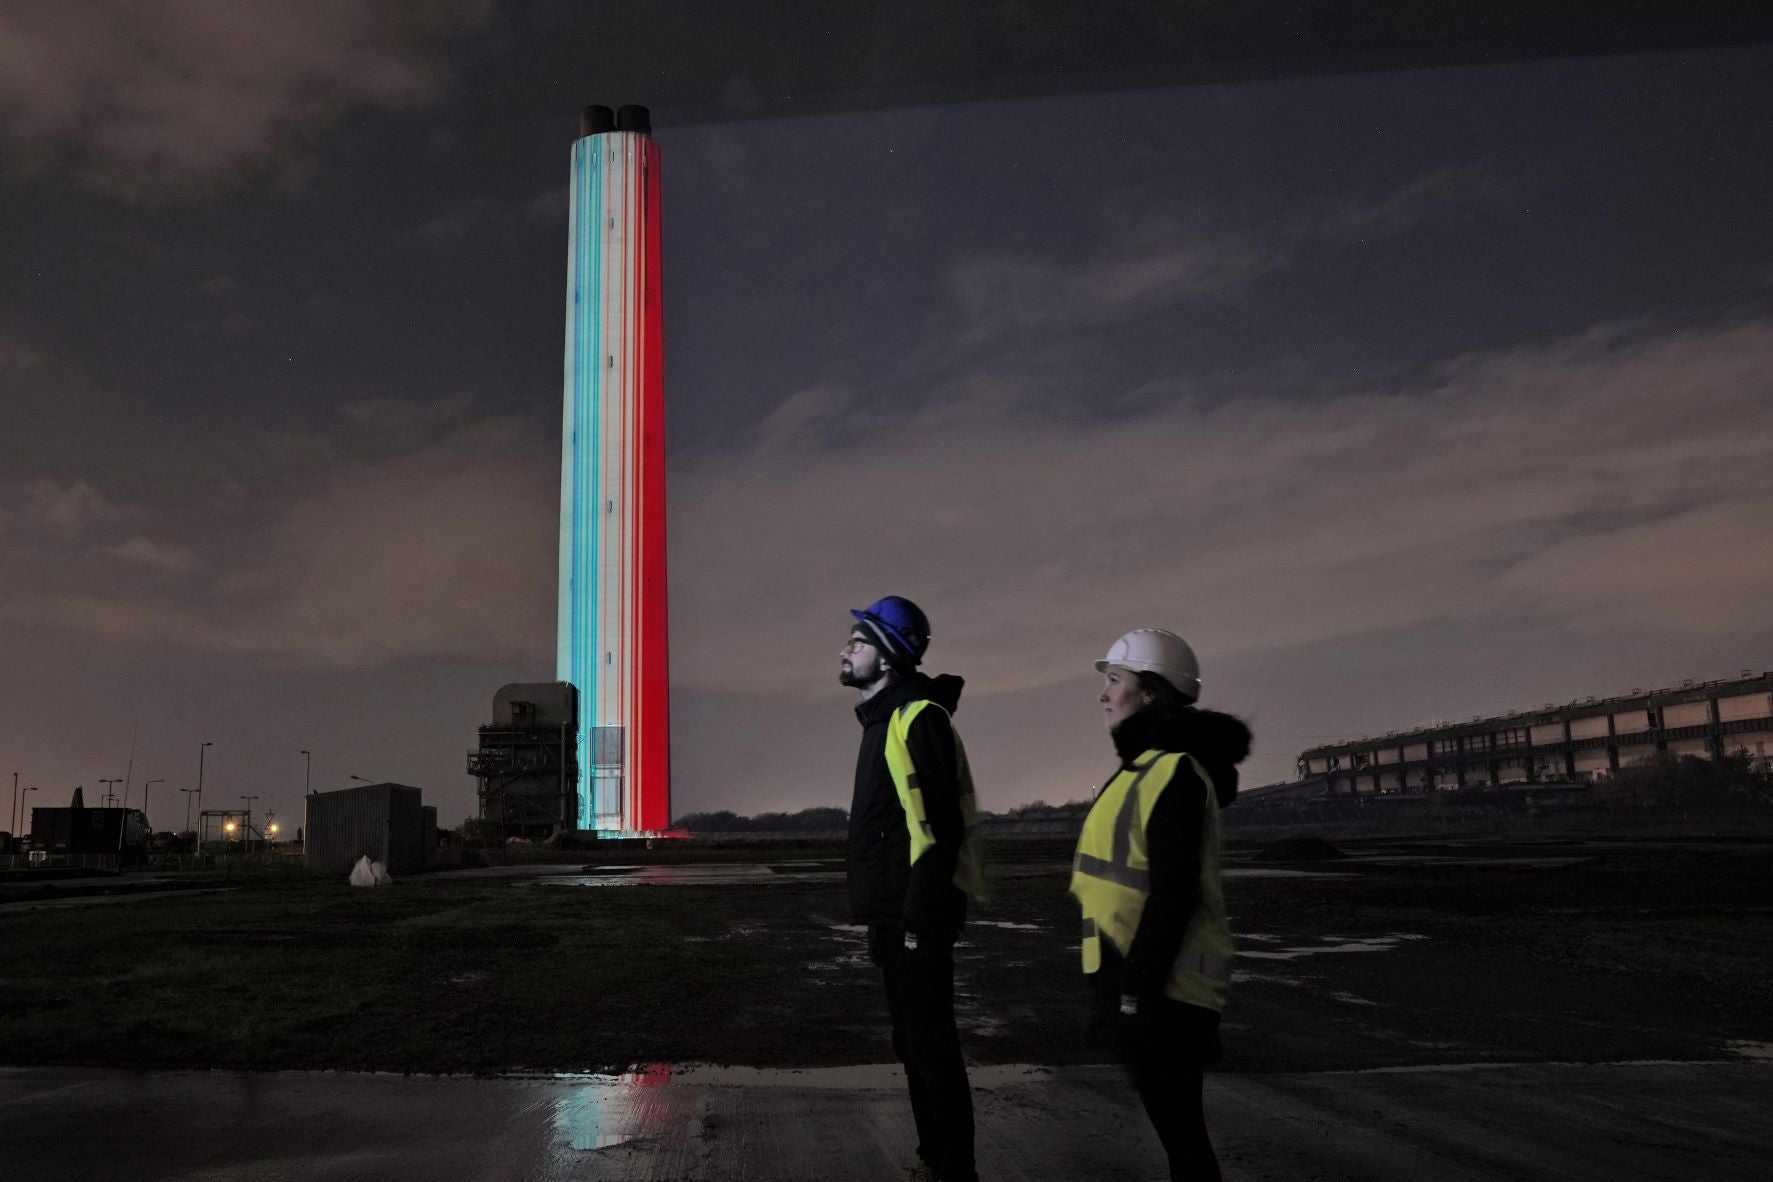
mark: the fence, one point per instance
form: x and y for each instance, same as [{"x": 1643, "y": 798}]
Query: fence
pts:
[
  {"x": 258, "y": 863},
  {"x": 44, "y": 860}
]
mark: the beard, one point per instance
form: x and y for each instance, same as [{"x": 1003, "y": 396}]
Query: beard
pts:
[{"x": 847, "y": 675}]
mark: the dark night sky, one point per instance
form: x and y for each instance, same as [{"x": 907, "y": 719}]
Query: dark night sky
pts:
[{"x": 1404, "y": 396}]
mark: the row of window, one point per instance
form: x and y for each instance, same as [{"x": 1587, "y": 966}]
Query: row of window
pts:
[{"x": 1618, "y": 724}]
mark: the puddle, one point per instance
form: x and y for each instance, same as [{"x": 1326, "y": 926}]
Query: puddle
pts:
[
  {"x": 847, "y": 964},
  {"x": 1272, "y": 872},
  {"x": 873, "y": 1076},
  {"x": 724, "y": 874},
  {"x": 470, "y": 977},
  {"x": 741, "y": 931},
  {"x": 1332, "y": 944},
  {"x": 1750, "y": 1050},
  {"x": 1527, "y": 863},
  {"x": 979, "y": 1025},
  {"x": 603, "y": 1111},
  {"x": 1238, "y": 975}
]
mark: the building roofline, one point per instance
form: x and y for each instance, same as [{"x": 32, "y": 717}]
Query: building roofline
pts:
[{"x": 1688, "y": 690}]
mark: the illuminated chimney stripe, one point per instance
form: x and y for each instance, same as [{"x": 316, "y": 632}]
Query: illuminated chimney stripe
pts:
[{"x": 612, "y": 609}]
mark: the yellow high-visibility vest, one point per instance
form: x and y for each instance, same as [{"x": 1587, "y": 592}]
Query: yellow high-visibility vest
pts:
[
  {"x": 968, "y": 874},
  {"x": 1111, "y": 879}
]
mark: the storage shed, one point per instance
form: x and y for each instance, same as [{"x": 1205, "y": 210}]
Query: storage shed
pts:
[{"x": 388, "y": 822}]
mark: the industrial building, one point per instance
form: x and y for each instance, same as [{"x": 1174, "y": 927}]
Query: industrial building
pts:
[
  {"x": 527, "y": 764},
  {"x": 388, "y": 823},
  {"x": 111, "y": 833},
  {"x": 1583, "y": 740}
]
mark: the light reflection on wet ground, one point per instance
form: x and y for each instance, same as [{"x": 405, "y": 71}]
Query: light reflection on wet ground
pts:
[
  {"x": 602, "y": 1111},
  {"x": 702, "y": 1123}
]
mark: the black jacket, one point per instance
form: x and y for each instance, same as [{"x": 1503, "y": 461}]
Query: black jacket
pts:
[
  {"x": 884, "y": 886},
  {"x": 1173, "y": 835}
]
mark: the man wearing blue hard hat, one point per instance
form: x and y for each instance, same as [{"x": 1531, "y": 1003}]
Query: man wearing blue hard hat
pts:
[{"x": 913, "y": 864}]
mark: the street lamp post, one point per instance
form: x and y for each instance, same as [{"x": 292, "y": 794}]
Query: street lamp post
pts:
[
  {"x": 12, "y": 817},
  {"x": 147, "y": 785},
  {"x": 307, "y": 771},
  {"x": 201, "y": 784},
  {"x": 187, "y": 792}
]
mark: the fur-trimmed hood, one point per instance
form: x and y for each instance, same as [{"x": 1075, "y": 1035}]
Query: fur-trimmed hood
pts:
[{"x": 1219, "y": 741}]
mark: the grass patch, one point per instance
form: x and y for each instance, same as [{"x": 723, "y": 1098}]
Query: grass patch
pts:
[{"x": 1634, "y": 954}]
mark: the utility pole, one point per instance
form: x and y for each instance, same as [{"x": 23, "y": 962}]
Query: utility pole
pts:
[
  {"x": 129, "y": 769},
  {"x": 145, "y": 786},
  {"x": 187, "y": 792},
  {"x": 307, "y": 771},
  {"x": 248, "y": 834},
  {"x": 110, "y": 793},
  {"x": 200, "y": 752},
  {"x": 12, "y": 817}
]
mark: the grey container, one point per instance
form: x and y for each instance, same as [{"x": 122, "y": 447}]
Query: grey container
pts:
[{"x": 386, "y": 822}]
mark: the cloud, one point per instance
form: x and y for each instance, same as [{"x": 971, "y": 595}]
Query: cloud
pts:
[
  {"x": 402, "y": 423},
  {"x": 66, "y": 510},
  {"x": 165, "y": 559},
  {"x": 443, "y": 551},
  {"x": 480, "y": 216},
  {"x": 449, "y": 228},
  {"x": 1009, "y": 295},
  {"x": 1405, "y": 207},
  {"x": 1605, "y": 483},
  {"x": 1610, "y": 485},
  {"x": 1153, "y": 255},
  {"x": 547, "y": 208},
  {"x": 182, "y": 96},
  {"x": 17, "y": 358}
]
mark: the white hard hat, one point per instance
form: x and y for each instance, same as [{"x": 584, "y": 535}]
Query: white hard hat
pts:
[{"x": 1153, "y": 650}]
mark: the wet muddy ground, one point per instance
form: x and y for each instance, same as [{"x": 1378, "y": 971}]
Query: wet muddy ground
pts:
[{"x": 1404, "y": 954}]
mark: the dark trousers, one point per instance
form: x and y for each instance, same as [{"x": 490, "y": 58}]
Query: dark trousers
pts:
[
  {"x": 1165, "y": 1054},
  {"x": 1171, "y": 1093},
  {"x": 920, "y": 997},
  {"x": 1165, "y": 1051}
]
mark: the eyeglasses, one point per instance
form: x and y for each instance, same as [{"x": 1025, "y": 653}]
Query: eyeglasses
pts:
[{"x": 857, "y": 644}]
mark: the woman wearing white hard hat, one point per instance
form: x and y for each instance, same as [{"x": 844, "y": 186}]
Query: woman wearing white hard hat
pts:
[{"x": 1156, "y": 948}]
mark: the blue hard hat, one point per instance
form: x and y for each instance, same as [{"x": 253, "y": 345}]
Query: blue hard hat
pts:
[{"x": 901, "y": 624}]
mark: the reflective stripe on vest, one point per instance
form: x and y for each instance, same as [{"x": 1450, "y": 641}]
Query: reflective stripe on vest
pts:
[
  {"x": 968, "y": 873},
  {"x": 1111, "y": 878}
]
